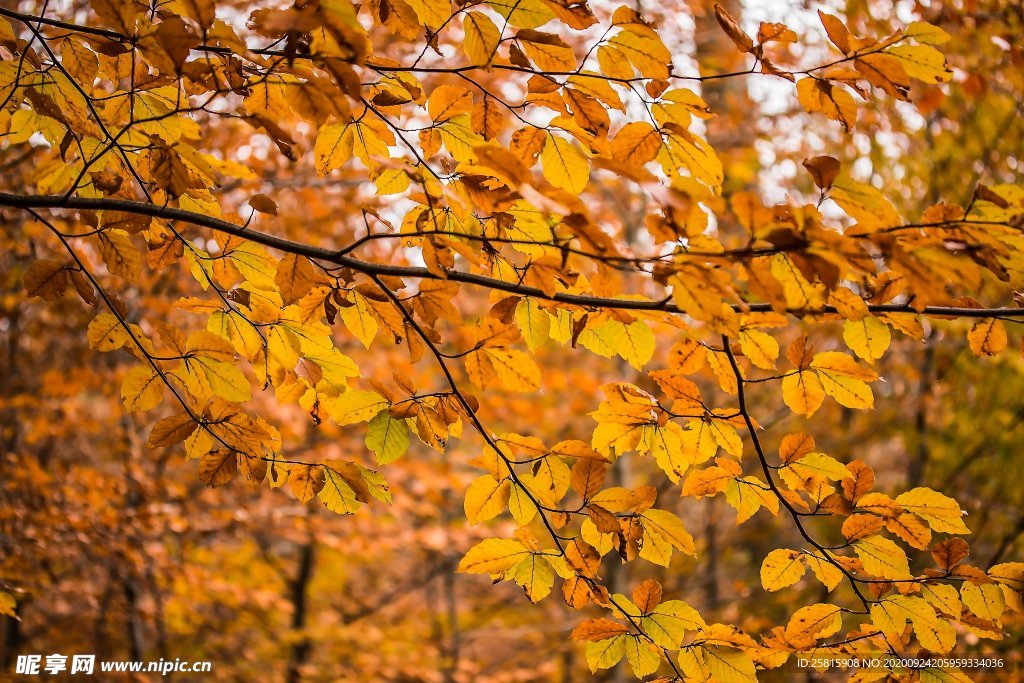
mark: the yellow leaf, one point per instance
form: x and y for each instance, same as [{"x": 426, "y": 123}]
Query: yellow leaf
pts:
[
  {"x": 7, "y": 602},
  {"x": 224, "y": 379},
  {"x": 564, "y": 165},
  {"x": 882, "y": 558},
  {"x": 644, "y": 49},
  {"x": 821, "y": 465},
  {"x": 243, "y": 335},
  {"x": 519, "y": 504},
  {"x": 642, "y": 657},
  {"x": 392, "y": 181},
  {"x": 523, "y": 13},
  {"x": 106, "y": 333},
  {"x": 760, "y": 347},
  {"x": 730, "y": 666},
  {"x": 683, "y": 150},
  {"x": 668, "y": 622},
  {"x": 636, "y": 344},
  {"x": 748, "y": 495},
  {"x": 333, "y": 147},
  {"x": 636, "y": 143},
  {"x": 431, "y": 13},
  {"x": 486, "y": 498},
  {"x": 515, "y": 370},
  {"x": 120, "y": 254},
  {"x": 356, "y": 406},
  {"x": 664, "y": 526},
  {"x": 605, "y": 654},
  {"x": 781, "y": 568},
  {"x": 448, "y": 101},
  {"x": 613, "y": 62},
  {"x": 459, "y": 137},
  {"x": 942, "y": 513},
  {"x": 943, "y": 597},
  {"x": 481, "y": 37},
  {"x": 337, "y": 494},
  {"x": 987, "y": 337},
  {"x": 839, "y": 364},
  {"x": 833, "y": 101},
  {"x": 890, "y": 616},
  {"x": 604, "y": 340},
  {"x": 720, "y": 365},
  {"x": 798, "y": 292},
  {"x": 282, "y": 346},
  {"x": 922, "y": 62},
  {"x": 536, "y": 576},
  {"x": 493, "y": 556},
  {"x": 848, "y": 304},
  {"x": 337, "y": 143},
  {"x": 306, "y": 481},
  {"x": 359, "y": 320},
  {"x": 826, "y": 572},
  {"x": 388, "y": 437},
  {"x": 866, "y": 205},
  {"x": 844, "y": 380},
  {"x": 598, "y": 87},
  {"x": 534, "y": 323},
  {"x": 548, "y": 51},
  {"x": 984, "y": 601},
  {"x": 802, "y": 392},
  {"x": 814, "y": 622},
  {"x": 925, "y": 33},
  {"x": 142, "y": 389},
  {"x": 868, "y": 337}
]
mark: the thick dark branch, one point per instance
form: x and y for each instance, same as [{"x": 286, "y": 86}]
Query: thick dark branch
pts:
[{"x": 338, "y": 257}]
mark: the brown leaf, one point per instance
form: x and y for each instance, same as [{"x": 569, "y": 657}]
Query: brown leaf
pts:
[
  {"x": 823, "y": 169},
  {"x": 598, "y": 629},
  {"x": 219, "y": 467},
  {"x": 47, "y": 279},
  {"x": 605, "y": 521},
  {"x": 950, "y": 552},
  {"x": 263, "y": 204},
  {"x": 647, "y": 595},
  {"x": 295, "y": 277},
  {"x": 587, "y": 477},
  {"x": 733, "y": 30}
]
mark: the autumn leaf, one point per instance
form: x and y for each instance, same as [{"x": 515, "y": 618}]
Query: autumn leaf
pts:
[
  {"x": 814, "y": 622},
  {"x": 781, "y": 568},
  {"x": 598, "y": 629},
  {"x": 987, "y": 337},
  {"x": 486, "y": 498},
  {"x": 493, "y": 556},
  {"x": 882, "y": 558},
  {"x": 563, "y": 286},
  {"x": 564, "y": 164},
  {"x": 356, "y": 406},
  {"x": 481, "y": 40},
  {"x": 942, "y": 513}
]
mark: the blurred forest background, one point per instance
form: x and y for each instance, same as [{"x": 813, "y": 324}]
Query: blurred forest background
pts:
[{"x": 130, "y": 556}]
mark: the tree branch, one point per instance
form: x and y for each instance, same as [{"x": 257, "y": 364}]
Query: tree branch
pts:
[{"x": 338, "y": 257}]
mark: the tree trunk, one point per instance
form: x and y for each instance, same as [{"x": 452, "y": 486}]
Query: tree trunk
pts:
[{"x": 301, "y": 648}]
